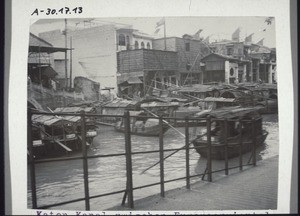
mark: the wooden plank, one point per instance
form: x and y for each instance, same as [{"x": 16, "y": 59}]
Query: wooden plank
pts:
[{"x": 62, "y": 145}]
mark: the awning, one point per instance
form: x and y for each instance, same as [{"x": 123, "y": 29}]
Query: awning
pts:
[
  {"x": 131, "y": 81},
  {"x": 134, "y": 80},
  {"x": 46, "y": 71},
  {"x": 40, "y": 49}
]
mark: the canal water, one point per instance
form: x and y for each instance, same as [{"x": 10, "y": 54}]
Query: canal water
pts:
[{"x": 63, "y": 181}]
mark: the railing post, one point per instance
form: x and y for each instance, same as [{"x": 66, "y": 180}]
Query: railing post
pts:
[
  {"x": 161, "y": 158},
  {"x": 187, "y": 153},
  {"x": 129, "y": 186},
  {"x": 254, "y": 143},
  {"x": 226, "y": 145},
  {"x": 208, "y": 127},
  {"x": 85, "y": 162},
  {"x": 31, "y": 161},
  {"x": 240, "y": 144}
]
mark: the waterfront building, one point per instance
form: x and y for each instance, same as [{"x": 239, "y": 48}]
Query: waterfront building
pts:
[
  {"x": 44, "y": 89},
  {"x": 134, "y": 63},
  {"x": 89, "y": 88},
  {"x": 236, "y": 61},
  {"x": 172, "y": 61},
  {"x": 96, "y": 48}
]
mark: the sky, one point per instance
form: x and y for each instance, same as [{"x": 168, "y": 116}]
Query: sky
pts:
[{"x": 217, "y": 28}]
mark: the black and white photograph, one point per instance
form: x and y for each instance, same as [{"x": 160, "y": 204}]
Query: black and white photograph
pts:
[{"x": 142, "y": 114}]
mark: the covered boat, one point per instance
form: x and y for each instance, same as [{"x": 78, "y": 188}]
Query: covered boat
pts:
[
  {"x": 90, "y": 122},
  {"x": 204, "y": 105},
  {"x": 263, "y": 96},
  {"x": 239, "y": 132},
  {"x": 141, "y": 125},
  {"x": 52, "y": 136}
]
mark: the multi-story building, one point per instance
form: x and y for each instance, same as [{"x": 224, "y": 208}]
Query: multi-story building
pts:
[
  {"x": 43, "y": 88},
  {"x": 123, "y": 58},
  {"x": 94, "y": 54},
  {"x": 95, "y": 50},
  {"x": 238, "y": 62},
  {"x": 265, "y": 59},
  {"x": 171, "y": 61},
  {"x": 110, "y": 54}
]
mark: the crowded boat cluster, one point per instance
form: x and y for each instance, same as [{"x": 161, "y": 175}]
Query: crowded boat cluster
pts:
[{"x": 56, "y": 134}]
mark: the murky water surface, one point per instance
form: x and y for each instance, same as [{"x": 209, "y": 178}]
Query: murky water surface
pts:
[{"x": 63, "y": 181}]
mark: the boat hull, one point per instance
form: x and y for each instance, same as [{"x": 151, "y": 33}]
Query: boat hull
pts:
[
  {"x": 143, "y": 131},
  {"x": 218, "y": 148},
  {"x": 51, "y": 149}
]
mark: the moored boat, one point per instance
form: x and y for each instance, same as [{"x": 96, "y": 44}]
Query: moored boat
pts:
[
  {"x": 90, "y": 122},
  {"x": 141, "y": 125},
  {"x": 237, "y": 135},
  {"x": 53, "y": 136}
]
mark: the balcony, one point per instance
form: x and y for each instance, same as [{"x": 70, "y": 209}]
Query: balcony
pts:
[{"x": 146, "y": 59}]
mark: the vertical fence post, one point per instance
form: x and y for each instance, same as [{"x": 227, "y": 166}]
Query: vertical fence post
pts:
[
  {"x": 226, "y": 145},
  {"x": 187, "y": 152},
  {"x": 129, "y": 186},
  {"x": 85, "y": 162},
  {"x": 240, "y": 144},
  {"x": 31, "y": 161},
  {"x": 161, "y": 158},
  {"x": 208, "y": 128},
  {"x": 254, "y": 142}
]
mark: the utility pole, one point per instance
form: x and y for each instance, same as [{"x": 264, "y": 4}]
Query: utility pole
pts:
[
  {"x": 66, "y": 56},
  {"x": 165, "y": 34},
  {"x": 70, "y": 62}
]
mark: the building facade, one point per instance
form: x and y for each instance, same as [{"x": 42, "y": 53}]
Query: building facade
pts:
[
  {"x": 241, "y": 62},
  {"x": 112, "y": 55},
  {"x": 94, "y": 54},
  {"x": 169, "y": 61},
  {"x": 95, "y": 50},
  {"x": 89, "y": 88}
]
